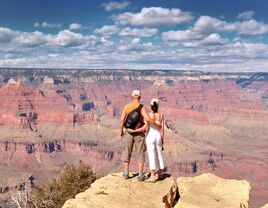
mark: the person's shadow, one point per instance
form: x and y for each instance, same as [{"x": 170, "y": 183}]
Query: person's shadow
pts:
[
  {"x": 133, "y": 175},
  {"x": 164, "y": 176}
]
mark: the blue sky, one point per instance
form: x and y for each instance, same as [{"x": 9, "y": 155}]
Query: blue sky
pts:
[{"x": 208, "y": 35}]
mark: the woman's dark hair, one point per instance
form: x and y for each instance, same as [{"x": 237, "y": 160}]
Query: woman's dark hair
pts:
[{"x": 154, "y": 107}]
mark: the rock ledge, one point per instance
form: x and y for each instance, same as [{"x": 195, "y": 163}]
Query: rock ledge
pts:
[
  {"x": 112, "y": 191},
  {"x": 206, "y": 191}
]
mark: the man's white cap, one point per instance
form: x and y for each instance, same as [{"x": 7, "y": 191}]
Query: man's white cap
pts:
[
  {"x": 136, "y": 93},
  {"x": 154, "y": 100}
]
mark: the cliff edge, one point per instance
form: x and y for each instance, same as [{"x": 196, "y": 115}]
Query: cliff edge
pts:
[
  {"x": 112, "y": 191},
  {"x": 206, "y": 191}
]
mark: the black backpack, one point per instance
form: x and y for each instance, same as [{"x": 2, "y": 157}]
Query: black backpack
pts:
[{"x": 133, "y": 118}]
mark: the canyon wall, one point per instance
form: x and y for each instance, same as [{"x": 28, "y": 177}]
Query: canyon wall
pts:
[{"x": 215, "y": 122}]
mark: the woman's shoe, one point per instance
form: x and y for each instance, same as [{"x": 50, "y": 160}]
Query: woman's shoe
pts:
[
  {"x": 152, "y": 179},
  {"x": 160, "y": 177}
]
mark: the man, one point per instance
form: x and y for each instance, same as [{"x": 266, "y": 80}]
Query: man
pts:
[{"x": 137, "y": 139}]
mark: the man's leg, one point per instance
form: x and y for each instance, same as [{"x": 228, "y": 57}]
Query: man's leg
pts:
[
  {"x": 127, "y": 154},
  {"x": 141, "y": 166},
  {"x": 140, "y": 147},
  {"x": 126, "y": 167}
]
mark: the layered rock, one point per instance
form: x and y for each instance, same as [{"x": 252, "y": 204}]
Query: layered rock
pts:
[
  {"x": 46, "y": 117},
  {"x": 210, "y": 191}
]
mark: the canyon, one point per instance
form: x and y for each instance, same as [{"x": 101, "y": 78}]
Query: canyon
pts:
[{"x": 215, "y": 122}]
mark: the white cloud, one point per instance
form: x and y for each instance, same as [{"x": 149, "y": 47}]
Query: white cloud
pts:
[
  {"x": 145, "y": 32},
  {"x": 115, "y": 5},
  {"x": 134, "y": 44},
  {"x": 107, "y": 30},
  {"x": 246, "y": 15},
  {"x": 251, "y": 27},
  {"x": 207, "y": 24},
  {"x": 20, "y": 42},
  {"x": 154, "y": 16},
  {"x": 193, "y": 38},
  {"x": 182, "y": 35},
  {"x": 6, "y": 34},
  {"x": 66, "y": 38},
  {"x": 106, "y": 43},
  {"x": 47, "y": 25},
  {"x": 192, "y": 48},
  {"x": 233, "y": 57},
  {"x": 74, "y": 26},
  {"x": 30, "y": 40},
  {"x": 213, "y": 39}
]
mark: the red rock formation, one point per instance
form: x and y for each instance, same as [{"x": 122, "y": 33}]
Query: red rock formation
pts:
[{"x": 215, "y": 122}]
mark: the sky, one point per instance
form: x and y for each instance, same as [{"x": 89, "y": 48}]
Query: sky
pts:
[{"x": 206, "y": 35}]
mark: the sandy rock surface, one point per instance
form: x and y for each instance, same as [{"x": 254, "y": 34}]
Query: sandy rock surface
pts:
[
  {"x": 112, "y": 191},
  {"x": 210, "y": 191}
]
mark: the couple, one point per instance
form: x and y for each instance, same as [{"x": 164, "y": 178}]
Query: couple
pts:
[{"x": 139, "y": 123}]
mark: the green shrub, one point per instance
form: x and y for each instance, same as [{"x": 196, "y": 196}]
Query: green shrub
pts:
[{"x": 72, "y": 179}]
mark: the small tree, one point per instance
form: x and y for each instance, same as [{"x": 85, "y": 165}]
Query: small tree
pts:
[
  {"x": 72, "y": 180},
  {"x": 19, "y": 197}
]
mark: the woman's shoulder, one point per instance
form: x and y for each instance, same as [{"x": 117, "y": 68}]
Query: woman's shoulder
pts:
[{"x": 158, "y": 114}]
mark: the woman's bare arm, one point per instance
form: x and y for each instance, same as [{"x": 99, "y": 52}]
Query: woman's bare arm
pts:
[{"x": 163, "y": 126}]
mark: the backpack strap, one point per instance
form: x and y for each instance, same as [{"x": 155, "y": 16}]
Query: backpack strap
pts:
[
  {"x": 140, "y": 107},
  {"x": 139, "y": 110}
]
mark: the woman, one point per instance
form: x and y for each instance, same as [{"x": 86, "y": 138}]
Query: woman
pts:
[{"x": 154, "y": 142}]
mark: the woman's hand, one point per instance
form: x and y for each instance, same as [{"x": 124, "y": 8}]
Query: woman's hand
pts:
[
  {"x": 159, "y": 126},
  {"x": 130, "y": 131},
  {"x": 122, "y": 133}
]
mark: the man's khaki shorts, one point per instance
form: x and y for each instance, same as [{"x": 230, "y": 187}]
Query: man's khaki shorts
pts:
[{"x": 140, "y": 147}]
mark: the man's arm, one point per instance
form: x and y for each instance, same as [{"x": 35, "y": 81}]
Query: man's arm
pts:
[
  {"x": 141, "y": 129},
  {"x": 123, "y": 116},
  {"x": 148, "y": 118}
]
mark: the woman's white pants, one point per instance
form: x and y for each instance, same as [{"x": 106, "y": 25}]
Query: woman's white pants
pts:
[{"x": 154, "y": 149}]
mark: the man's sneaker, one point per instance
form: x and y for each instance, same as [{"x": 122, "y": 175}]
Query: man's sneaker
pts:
[
  {"x": 142, "y": 178},
  {"x": 125, "y": 176}
]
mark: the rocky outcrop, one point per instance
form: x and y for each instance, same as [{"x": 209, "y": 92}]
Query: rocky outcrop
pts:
[
  {"x": 113, "y": 191},
  {"x": 206, "y": 191},
  {"x": 210, "y": 191}
]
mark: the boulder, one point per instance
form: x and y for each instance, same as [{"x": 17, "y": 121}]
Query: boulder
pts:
[{"x": 210, "y": 191}]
